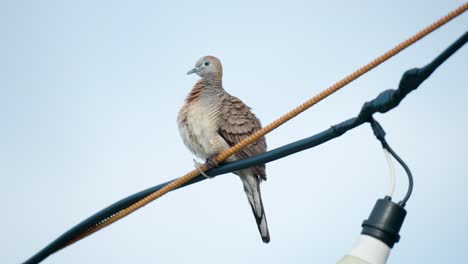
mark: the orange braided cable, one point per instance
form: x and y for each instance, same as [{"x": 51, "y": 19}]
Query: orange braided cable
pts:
[{"x": 265, "y": 130}]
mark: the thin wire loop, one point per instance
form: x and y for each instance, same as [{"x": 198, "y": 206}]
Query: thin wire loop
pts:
[
  {"x": 407, "y": 170},
  {"x": 391, "y": 169}
]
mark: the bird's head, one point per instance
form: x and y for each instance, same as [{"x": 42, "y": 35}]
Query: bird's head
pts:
[{"x": 208, "y": 66}]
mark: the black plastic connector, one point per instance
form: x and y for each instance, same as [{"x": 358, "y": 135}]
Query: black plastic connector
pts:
[{"x": 385, "y": 221}]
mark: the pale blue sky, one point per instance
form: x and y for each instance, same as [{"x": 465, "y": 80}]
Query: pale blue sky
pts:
[{"x": 89, "y": 94}]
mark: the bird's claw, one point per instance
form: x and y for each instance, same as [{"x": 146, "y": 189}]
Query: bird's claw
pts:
[
  {"x": 211, "y": 162},
  {"x": 198, "y": 167}
]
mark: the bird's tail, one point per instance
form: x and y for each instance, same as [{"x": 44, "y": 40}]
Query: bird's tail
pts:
[{"x": 252, "y": 190}]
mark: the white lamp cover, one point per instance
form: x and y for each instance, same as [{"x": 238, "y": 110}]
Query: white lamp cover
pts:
[{"x": 368, "y": 250}]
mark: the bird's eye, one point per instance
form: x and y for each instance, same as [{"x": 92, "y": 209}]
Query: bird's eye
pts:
[{"x": 207, "y": 63}]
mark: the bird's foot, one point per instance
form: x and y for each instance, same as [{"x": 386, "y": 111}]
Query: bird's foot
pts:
[
  {"x": 211, "y": 162},
  {"x": 198, "y": 167}
]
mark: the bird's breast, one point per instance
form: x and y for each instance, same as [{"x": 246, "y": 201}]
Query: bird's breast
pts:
[{"x": 199, "y": 130}]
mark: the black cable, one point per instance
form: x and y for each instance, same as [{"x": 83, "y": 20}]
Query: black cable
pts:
[
  {"x": 380, "y": 135},
  {"x": 403, "y": 202},
  {"x": 384, "y": 102}
]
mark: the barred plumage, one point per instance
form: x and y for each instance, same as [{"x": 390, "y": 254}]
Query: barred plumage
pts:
[{"x": 212, "y": 120}]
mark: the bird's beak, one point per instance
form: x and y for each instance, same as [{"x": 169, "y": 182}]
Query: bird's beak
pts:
[{"x": 194, "y": 70}]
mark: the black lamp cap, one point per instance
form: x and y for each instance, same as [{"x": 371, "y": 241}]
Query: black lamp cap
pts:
[{"x": 385, "y": 221}]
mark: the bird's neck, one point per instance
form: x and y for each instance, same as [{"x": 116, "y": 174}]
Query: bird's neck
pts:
[
  {"x": 213, "y": 80},
  {"x": 210, "y": 87},
  {"x": 207, "y": 88}
]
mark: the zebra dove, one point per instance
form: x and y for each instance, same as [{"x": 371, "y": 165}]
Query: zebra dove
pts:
[{"x": 212, "y": 120}]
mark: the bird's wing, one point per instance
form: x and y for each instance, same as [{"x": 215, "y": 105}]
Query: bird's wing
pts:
[{"x": 237, "y": 122}]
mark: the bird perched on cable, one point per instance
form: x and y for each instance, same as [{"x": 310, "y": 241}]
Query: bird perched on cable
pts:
[{"x": 212, "y": 120}]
